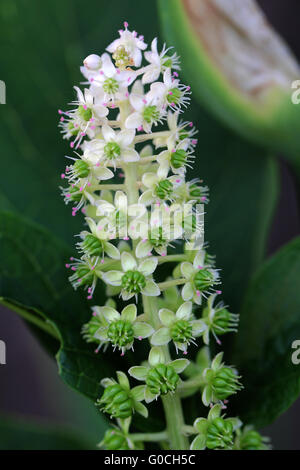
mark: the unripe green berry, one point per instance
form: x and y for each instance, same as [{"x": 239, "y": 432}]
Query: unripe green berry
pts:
[
  {"x": 120, "y": 333},
  {"x": 251, "y": 440},
  {"x": 225, "y": 383},
  {"x": 84, "y": 275},
  {"x": 181, "y": 331},
  {"x": 133, "y": 281},
  {"x": 162, "y": 379},
  {"x": 114, "y": 439},
  {"x": 219, "y": 434},
  {"x": 116, "y": 401}
]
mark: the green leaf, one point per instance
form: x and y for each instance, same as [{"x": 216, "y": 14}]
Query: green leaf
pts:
[
  {"x": 33, "y": 282},
  {"x": 270, "y": 322},
  {"x": 19, "y": 434},
  {"x": 214, "y": 40}
]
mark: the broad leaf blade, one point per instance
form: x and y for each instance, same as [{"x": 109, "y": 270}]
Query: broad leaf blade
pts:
[{"x": 270, "y": 322}]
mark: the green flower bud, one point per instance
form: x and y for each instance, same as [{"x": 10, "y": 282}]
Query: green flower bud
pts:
[
  {"x": 116, "y": 401},
  {"x": 110, "y": 85},
  {"x": 225, "y": 383},
  {"x": 164, "y": 189},
  {"x": 181, "y": 331},
  {"x": 178, "y": 158},
  {"x": 162, "y": 379},
  {"x": 81, "y": 169},
  {"x": 151, "y": 114},
  {"x": 114, "y": 439},
  {"x": 133, "y": 281},
  {"x": 219, "y": 434},
  {"x": 204, "y": 279},
  {"x": 85, "y": 113},
  {"x": 112, "y": 150},
  {"x": 120, "y": 333}
]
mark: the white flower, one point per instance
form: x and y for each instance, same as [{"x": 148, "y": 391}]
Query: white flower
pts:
[
  {"x": 95, "y": 242},
  {"x": 83, "y": 171},
  {"x": 179, "y": 328},
  {"x": 177, "y": 159},
  {"x": 130, "y": 43},
  {"x": 201, "y": 278},
  {"x": 110, "y": 83},
  {"x": 147, "y": 112},
  {"x": 85, "y": 119},
  {"x": 122, "y": 328},
  {"x": 170, "y": 92},
  {"x": 116, "y": 218},
  {"x": 158, "y": 232},
  {"x": 115, "y": 147},
  {"x": 158, "y": 62},
  {"x": 134, "y": 278},
  {"x": 159, "y": 187}
]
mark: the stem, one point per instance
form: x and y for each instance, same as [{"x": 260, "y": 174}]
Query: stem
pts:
[
  {"x": 31, "y": 318},
  {"x": 150, "y": 437},
  {"x": 171, "y": 258},
  {"x": 112, "y": 187},
  {"x": 171, "y": 401},
  {"x": 153, "y": 135},
  {"x": 174, "y": 282}
]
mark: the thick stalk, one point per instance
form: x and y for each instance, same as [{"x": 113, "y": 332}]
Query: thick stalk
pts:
[{"x": 171, "y": 402}]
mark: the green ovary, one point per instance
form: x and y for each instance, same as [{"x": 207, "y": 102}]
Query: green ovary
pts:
[
  {"x": 150, "y": 114},
  {"x": 133, "y": 282},
  {"x": 92, "y": 245},
  {"x": 112, "y": 150},
  {"x": 156, "y": 237},
  {"x": 81, "y": 169},
  {"x": 116, "y": 401},
  {"x": 85, "y": 113},
  {"x": 219, "y": 434},
  {"x": 164, "y": 189},
  {"x": 174, "y": 96},
  {"x": 204, "y": 279},
  {"x": 178, "y": 158},
  {"x": 110, "y": 85},
  {"x": 120, "y": 333}
]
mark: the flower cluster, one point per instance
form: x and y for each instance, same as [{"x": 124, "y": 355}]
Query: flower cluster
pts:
[{"x": 127, "y": 176}]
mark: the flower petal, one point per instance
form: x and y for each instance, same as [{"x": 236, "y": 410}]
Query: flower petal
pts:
[
  {"x": 146, "y": 198},
  {"x": 130, "y": 155},
  {"x": 161, "y": 337},
  {"x": 143, "y": 249},
  {"x": 142, "y": 329},
  {"x": 166, "y": 316},
  {"x": 129, "y": 313},
  {"x": 149, "y": 180},
  {"x": 141, "y": 409},
  {"x": 108, "y": 133},
  {"x": 123, "y": 380},
  {"x": 199, "y": 443},
  {"x": 184, "y": 311},
  {"x": 156, "y": 356},
  {"x": 110, "y": 314},
  {"x": 128, "y": 262},
  {"x": 134, "y": 121},
  {"x": 187, "y": 270},
  {"x": 187, "y": 292},
  {"x": 151, "y": 289},
  {"x": 138, "y": 372},
  {"x": 138, "y": 392},
  {"x": 179, "y": 365},
  {"x": 148, "y": 266},
  {"x": 113, "y": 277},
  {"x": 111, "y": 250},
  {"x": 198, "y": 327},
  {"x": 149, "y": 397}
]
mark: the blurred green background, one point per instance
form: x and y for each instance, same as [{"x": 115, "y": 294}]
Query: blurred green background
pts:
[{"x": 42, "y": 45}]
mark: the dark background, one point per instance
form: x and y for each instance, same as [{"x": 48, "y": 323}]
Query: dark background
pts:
[{"x": 29, "y": 384}]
